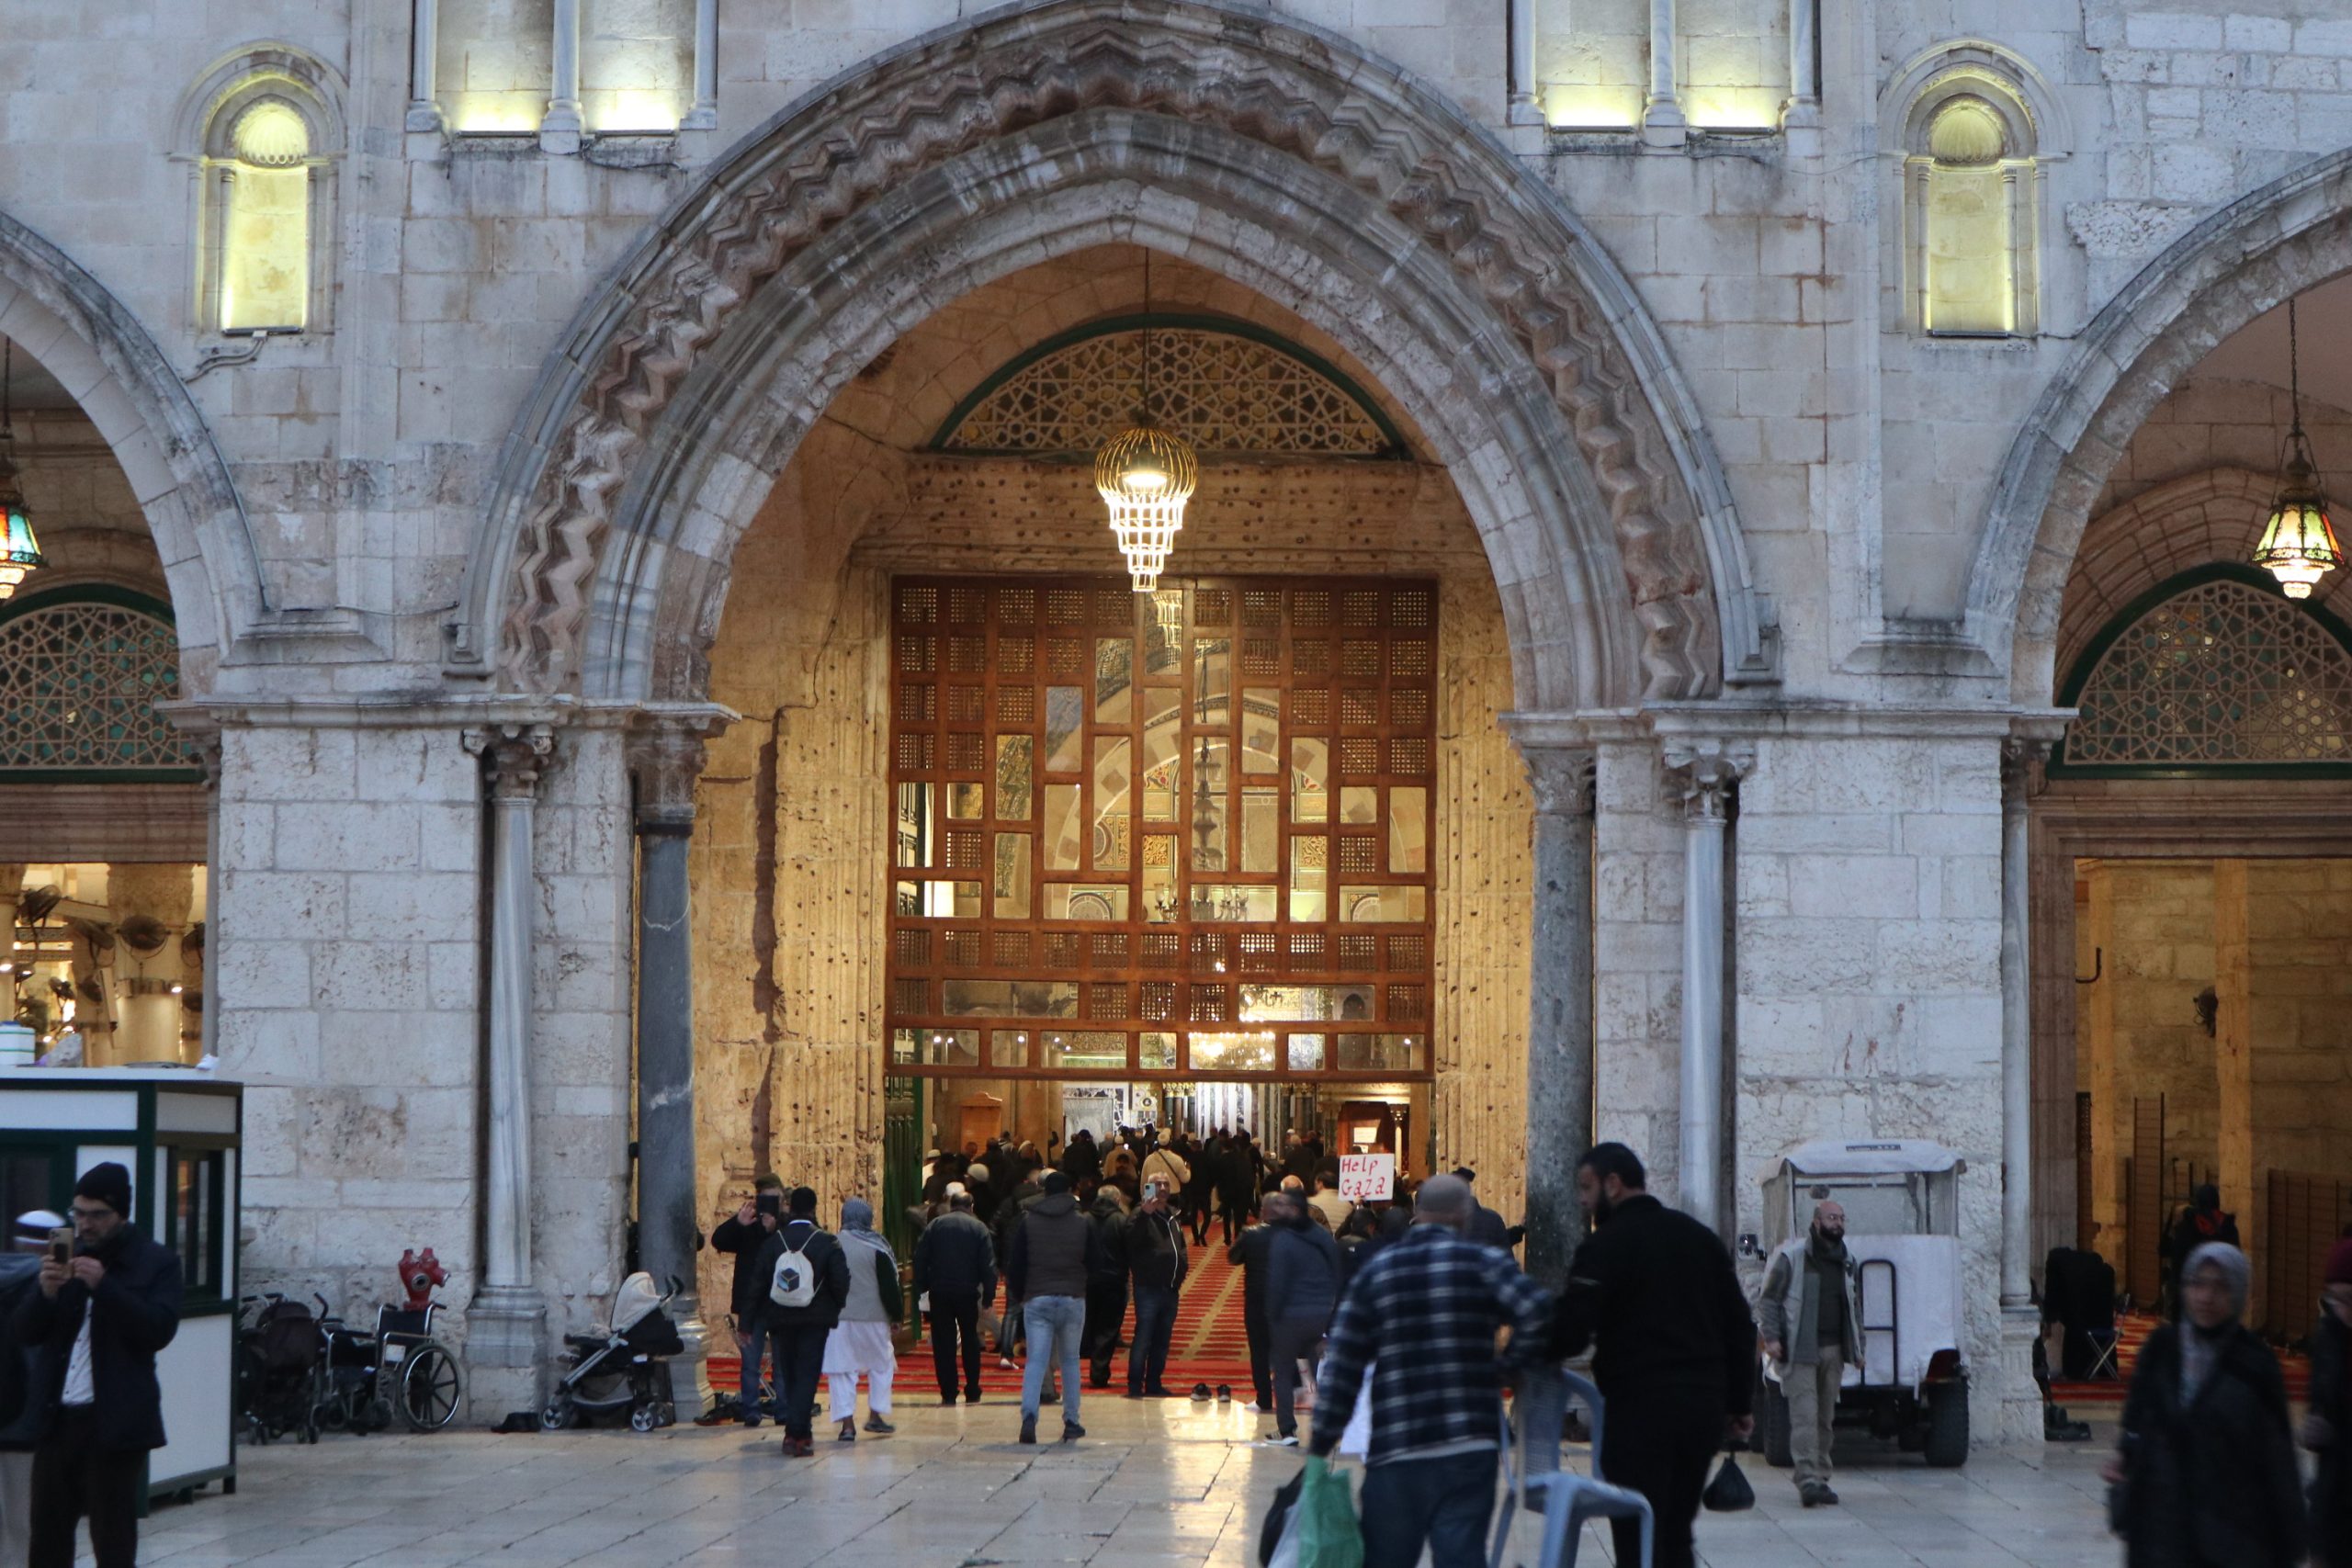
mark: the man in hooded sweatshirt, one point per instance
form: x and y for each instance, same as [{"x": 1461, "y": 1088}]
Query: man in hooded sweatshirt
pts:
[
  {"x": 1303, "y": 1286},
  {"x": 99, "y": 1319},
  {"x": 1054, "y": 1252}
]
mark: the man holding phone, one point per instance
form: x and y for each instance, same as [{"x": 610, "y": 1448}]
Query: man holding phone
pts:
[
  {"x": 744, "y": 1235},
  {"x": 106, "y": 1301}
]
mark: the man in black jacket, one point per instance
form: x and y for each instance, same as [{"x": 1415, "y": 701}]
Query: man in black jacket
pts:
[
  {"x": 1254, "y": 1253},
  {"x": 1054, "y": 1252},
  {"x": 798, "y": 1332},
  {"x": 744, "y": 1234},
  {"x": 956, "y": 1267},
  {"x": 99, "y": 1321},
  {"x": 1157, "y": 1262},
  {"x": 1677, "y": 1358},
  {"x": 1106, "y": 1285}
]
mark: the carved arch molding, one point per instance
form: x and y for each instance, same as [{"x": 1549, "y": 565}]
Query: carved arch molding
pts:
[{"x": 1303, "y": 93}]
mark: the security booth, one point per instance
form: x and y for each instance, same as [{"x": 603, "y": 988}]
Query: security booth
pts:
[{"x": 178, "y": 1132}]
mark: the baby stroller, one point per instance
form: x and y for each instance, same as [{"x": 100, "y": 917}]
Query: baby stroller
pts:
[
  {"x": 280, "y": 1357},
  {"x": 620, "y": 1369}
]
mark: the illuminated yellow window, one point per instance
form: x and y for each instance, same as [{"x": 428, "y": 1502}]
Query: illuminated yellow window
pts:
[
  {"x": 264, "y": 254},
  {"x": 1971, "y": 191}
]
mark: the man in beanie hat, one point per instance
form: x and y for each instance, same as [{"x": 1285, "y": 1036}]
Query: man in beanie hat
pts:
[
  {"x": 2328, "y": 1430},
  {"x": 98, "y": 1321}
]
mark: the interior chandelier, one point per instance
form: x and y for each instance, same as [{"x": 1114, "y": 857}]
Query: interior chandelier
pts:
[
  {"x": 1145, "y": 475},
  {"x": 19, "y": 550},
  {"x": 2298, "y": 544}
]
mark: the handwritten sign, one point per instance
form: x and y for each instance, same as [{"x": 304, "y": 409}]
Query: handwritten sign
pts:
[{"x": 1368, "y": 1178}]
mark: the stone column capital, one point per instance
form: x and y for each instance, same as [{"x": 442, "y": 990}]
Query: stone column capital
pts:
[
  {"x": 1562, "y": 777},
  {"x": 666, "y": 761},
  {"x": 517, "y": 754},
  {"x": 1705, "y": 770},
  {"x": 2023, "y": 758}
]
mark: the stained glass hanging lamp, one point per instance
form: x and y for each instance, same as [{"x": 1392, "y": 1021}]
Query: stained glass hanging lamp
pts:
[
  {"x": 1145, "y": 475},
  {"x": 2298, "y": 544},
  {"x": 19, "y": 550}
]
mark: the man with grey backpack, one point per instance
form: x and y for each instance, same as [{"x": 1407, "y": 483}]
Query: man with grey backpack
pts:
[{"x": 808, "y": 1280}]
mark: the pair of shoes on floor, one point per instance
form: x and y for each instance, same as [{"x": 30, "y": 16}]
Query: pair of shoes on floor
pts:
[
  {"x": 1816, "y": 1494},
  {"x": 848, "y": 1433}
]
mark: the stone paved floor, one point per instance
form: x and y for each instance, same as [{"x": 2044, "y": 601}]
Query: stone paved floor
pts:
[{"x": 1153, "y": 1486}]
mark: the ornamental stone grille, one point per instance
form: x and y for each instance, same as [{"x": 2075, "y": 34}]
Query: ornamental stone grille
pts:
[
  {"x": 2220, "y": 673},
  {"x": 82, "y": 679},
  {"x": 1223, "y": 392}
]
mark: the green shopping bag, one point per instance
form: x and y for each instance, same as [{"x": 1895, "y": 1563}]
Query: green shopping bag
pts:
[{"x": 1329, "y": 1536}]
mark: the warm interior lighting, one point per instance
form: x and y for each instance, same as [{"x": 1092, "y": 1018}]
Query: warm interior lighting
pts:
[
  {"x": 1592, "y": 108},
  {"x": 1145, "y": 475},
  {"x": 19, "y": 550},
  {"x": 2298, "y": 544},
  {"x": 1732, "y": 109}
]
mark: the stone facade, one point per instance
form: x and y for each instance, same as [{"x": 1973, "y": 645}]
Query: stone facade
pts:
[{"x": 611, "y": 411}]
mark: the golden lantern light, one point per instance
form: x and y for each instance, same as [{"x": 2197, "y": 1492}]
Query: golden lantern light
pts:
[
  {"x": 19, "y": 550},
  {"x": 1145, "y": 475},
  {"x": 2298, "y": 544}
]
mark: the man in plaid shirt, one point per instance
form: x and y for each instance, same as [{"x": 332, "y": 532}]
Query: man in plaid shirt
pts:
[{"x": 1425, "y": 1310}]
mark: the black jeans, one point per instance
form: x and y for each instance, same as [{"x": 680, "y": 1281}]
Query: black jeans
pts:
[
  {"x": 1445, "y": 1502},
  {"x": 71, "y": 1478},
  {"x": 1261, "y": 1380},
  {"x": 1155, "y": 1325},
  {"x": 1106, "y": 1313},
  {"x": 1659, "y": 1442},
  {"x": 1288, "y": 1340},
  {"x": 799, "y": 1362},
  {"x": 956, "y": 1320}
]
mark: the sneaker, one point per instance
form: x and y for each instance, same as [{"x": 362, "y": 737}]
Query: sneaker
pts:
[
  {"x": 1225, "y": 1393},
  {"x": 948, "y": 1400},
  {"x": 1072, "y": 1431},
  {"x": 848, "y": 1433},
  {"x": 1284, "y": 1439},
  {"x": 1814, "y": 1494},
  {"x": 1029, "y": 1429},
  {"x": 971, "y": 1397},
  {"x": 1828, "y": 1499},
  {"x": 879, "y": 1426},
  {"x": 1006, "y": 1362},
  {"x": 1200, "y": 1393},
  {"x": 1254, "y": 1409}
]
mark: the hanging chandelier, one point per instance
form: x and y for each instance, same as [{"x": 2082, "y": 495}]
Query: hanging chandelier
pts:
[
  {"x": 19, "y": 550},
  {"x": 2298, "y": 544},
  {"x": 1145, "y": 475}
]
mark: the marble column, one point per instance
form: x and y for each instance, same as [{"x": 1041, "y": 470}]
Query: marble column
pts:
[
  {"x": 704, "y": 115},
  {"x": 561, "y": 129},
  {"x": 506, "y": 1324},
  {"x": 1707, "y": 773},
  {"x": 1523, "y": 109},
  {"x": 1803, "y": 110},
  {"x": 423, "y": 69},
  {"x": 1663, "y": 122},
  {"x": 665, "y": 763},
  {"x": 2020, "y": 1320},
  {"x": 1559, "y": 1024}
]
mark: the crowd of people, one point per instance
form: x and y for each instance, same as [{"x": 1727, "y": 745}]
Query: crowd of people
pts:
[{"x": 1419, "y": 1310}]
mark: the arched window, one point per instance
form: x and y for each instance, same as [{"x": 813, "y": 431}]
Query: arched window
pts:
[
  {"x": 266, "y": 143},
  {"x": 1972, "y": 206},
  {"x": 83, "y": 668},
  {"x": 2214, "y": 672}
]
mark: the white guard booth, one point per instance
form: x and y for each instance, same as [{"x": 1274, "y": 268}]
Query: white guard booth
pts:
[{"x": 178, "y": 1132}]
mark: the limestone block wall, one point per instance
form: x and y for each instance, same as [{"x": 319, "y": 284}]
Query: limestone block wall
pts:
[
  {"x": 1868, "y": 973},
  {"x": 1638, "y": 957},
  {"x": 348, "y": 932},
  {"x": 2301, "y": 913}
]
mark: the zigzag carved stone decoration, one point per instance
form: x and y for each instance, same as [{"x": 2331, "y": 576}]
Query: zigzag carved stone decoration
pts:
[{"x": 1302, "y": 94}]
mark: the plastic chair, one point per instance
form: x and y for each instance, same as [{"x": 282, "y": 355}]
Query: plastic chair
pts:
[{"x": 1534, "y": 1479}]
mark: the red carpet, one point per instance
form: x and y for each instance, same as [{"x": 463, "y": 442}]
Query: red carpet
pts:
[
  {"x": 2132, "y": 1331},
  {"x": 1210, "y": 1344}
]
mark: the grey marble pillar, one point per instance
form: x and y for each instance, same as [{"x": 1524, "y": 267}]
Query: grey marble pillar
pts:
[
  {"x": 704, "y": 115},
  {"x": 563, "y": 128},
  {"x": 1559, "y": 1023},
  {"x": 506, "y": 1324},
  {"x": 1663, "y": 122},
  {"x": 423, "y": 69},
  {"x": 1707, "y": 772},
  {"x": 2020, "y": 770},
  {"x": 665, "y": 763}
]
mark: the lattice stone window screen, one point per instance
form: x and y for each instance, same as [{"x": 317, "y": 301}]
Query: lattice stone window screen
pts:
[
  {"x": 2221, "y": 673},
  {"x": 81, "y": 681},
  {"x": 1223, "y": 392}
]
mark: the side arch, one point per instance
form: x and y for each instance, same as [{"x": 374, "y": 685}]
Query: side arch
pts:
[
  {"x": 87, "y": 339},
  {"x": 2262, "y": 249},
  {"x": 1319, "y": 116}
]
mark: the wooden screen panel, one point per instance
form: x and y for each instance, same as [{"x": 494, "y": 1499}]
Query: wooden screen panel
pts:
[{"x": 1187, "y": 834}]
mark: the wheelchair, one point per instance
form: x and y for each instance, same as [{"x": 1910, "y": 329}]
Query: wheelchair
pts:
[{"x": 400, "y": 1371}]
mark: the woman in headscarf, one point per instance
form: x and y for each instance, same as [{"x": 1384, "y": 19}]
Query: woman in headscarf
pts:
[
  {"x": 860, "y": 1342},
  {"x": 2207, "y": 1461}
]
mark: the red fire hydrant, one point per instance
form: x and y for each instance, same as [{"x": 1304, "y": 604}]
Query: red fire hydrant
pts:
[{"x": 419, "y": 1276}]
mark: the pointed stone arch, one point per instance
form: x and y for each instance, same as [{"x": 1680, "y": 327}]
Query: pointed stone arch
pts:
[
  {"x": 2264, "y": 248},
  {"x": 88, "y": 339},
  {"x": 1249, "y": 142}
]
